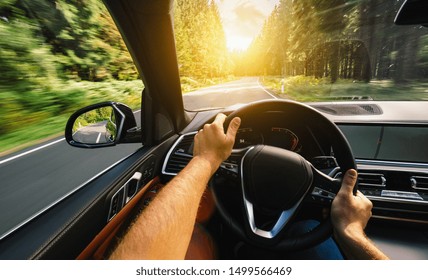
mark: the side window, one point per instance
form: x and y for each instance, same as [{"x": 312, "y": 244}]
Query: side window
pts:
[{"x": 55, "y": 57}]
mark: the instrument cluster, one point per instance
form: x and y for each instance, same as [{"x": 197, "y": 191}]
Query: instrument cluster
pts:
[{"x": 273, "y": 136}]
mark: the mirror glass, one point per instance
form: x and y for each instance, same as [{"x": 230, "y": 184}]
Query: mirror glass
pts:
[{"x": 97, "y": 126}]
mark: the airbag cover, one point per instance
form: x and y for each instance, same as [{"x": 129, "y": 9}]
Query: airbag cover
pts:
[{"x": 275, "y": 178}]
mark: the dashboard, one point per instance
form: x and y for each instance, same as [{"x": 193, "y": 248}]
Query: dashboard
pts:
[
  {"x": 393, "y": 167},
  {"x": 389, "y": 141}
]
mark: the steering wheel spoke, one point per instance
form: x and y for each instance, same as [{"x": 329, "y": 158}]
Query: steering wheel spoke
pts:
[
  {"x": 231, "y": 167},
  {"x": 325, "y": 188},
  {"x": 281, "y": 222}
]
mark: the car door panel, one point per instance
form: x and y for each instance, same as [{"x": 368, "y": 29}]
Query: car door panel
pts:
[
  {"x": 66, "y": 229},
  {"x": 103, "y": 241}
]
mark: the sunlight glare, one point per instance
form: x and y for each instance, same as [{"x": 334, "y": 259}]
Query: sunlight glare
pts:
[
  {"x": 238, "y": 43},
  {"x": 243, "y": 20}
]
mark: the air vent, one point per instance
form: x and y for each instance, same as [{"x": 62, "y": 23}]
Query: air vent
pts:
[
  {"x": 350, "y": 109},
  {"x": 185, "y": 146},
  {"x": 176, "y": 163},
  {"x": 419, "y": 182},
  {"x": 179, "y": 155},
  {"x": 373, "y": 180},
  {"x": 371, "y": 109}
]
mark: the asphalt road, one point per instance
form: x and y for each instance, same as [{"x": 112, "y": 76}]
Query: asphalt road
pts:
[
  {"x": 36, "y": 178},
  {"x": 241, "y": 91},
  {"x": 94, "y": 134}
]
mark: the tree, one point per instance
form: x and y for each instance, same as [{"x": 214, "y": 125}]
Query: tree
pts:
[{"x": 200, "y": 39}]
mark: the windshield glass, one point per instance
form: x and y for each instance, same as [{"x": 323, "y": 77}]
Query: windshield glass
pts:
[{"x": 234, "y": 51}]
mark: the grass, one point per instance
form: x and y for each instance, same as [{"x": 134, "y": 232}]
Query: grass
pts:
[
  {"x": 28, "y": 125},
  {"x": 308, "y": 89},
  {"x": 189, "y": 84},
  {"x": 32, "y": 134},
  {"x": 43, "y": 118}
]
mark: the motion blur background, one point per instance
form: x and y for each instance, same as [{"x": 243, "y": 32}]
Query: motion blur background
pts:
[{"x": 58, "y": 56}]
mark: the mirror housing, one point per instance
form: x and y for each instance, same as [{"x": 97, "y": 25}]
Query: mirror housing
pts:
[
  {"x": 102, "y": 125},
  {"x": 413, "y": 12}
]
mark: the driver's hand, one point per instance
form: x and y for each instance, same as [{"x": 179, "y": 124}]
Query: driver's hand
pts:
[
  {"x": 349, "y": 212},
  {"x": 213, "y": 144}
]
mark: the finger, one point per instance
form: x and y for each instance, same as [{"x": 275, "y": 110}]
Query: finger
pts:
[
  {"x": 349, "y": 181},
  {"x": 363, "y": 197},
  {"x": 219, "y": 119},
  {"x": 359, "y": 194},
  {"x": 233, "y": 128}
]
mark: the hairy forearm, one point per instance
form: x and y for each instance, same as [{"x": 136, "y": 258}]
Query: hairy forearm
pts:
[
  {"x": 357, "y": 246},
  {"x": 164, "y": 228}
]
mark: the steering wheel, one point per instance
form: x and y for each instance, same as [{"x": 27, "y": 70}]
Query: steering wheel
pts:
[{"x": 274, "y": 182}]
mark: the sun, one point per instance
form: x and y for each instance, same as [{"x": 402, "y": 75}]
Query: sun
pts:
[
  {"x": 238, "y": 43},
  {"x": 243, "y": 20}
]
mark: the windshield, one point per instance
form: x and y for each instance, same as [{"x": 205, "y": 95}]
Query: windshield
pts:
[{"x": 232, "y": 52}]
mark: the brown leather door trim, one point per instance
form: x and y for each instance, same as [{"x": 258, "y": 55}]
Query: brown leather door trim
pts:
[{"x": 98, "y": 246}]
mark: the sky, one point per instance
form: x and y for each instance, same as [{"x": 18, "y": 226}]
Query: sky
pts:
[{"x": 243, "y": 20}]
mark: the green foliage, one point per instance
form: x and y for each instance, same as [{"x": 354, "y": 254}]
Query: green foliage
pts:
[
  {"x": 200, "y": 39},
  {"x": 57, "y": 56},
  {"x": 62, "y": 39},
  {"x": 338, "y": 39},
  {"x": 189, "y": 84},
  {"x": 423, "y": 55},
  {"x": 93, "y": 117},
  {"x": 308, "y": 89},
  {"x": 21, "y": 126}
]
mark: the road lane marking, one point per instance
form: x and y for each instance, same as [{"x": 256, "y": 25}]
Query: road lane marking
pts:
[
  {"x": 31, "y": 151},
  {"x": 39, "y": 148},
  {"x": 230, "y": 88},
  {"x": 265, "y": 90},
  {"x": 99, "y": 174},
  {"x": 220, "y": 89},
  {"x": 98, "y": 138}
]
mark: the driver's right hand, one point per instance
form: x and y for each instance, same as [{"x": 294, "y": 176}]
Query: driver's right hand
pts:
[{"x": 350, "y": 213}]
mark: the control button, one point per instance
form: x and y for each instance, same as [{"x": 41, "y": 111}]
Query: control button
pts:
[{"x": 401, "y": 194}]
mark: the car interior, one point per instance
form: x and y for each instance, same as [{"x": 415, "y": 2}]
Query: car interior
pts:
[{"x": 245, "y": 211}]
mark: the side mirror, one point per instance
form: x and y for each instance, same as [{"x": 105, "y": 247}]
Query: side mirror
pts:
[{"x": 102, "y": 125}]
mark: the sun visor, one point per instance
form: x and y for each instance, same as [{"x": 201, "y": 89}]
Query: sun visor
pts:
[{"x": 413, "y": 12}]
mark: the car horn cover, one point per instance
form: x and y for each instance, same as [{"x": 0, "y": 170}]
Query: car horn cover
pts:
[{"x": 264, "y": 166}]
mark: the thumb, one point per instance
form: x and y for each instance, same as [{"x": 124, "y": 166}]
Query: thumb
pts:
[
  {"x": 233, "y": 128},
  {"x": 349, "y": 181}
]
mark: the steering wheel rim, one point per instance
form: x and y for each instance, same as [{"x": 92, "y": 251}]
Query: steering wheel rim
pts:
[{"x": 344, "y": 157}]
